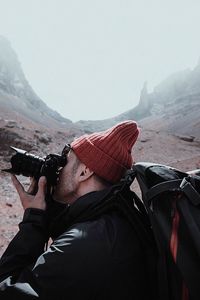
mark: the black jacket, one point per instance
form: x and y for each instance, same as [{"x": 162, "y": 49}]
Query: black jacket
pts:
[{"x": 98, "y": 258}]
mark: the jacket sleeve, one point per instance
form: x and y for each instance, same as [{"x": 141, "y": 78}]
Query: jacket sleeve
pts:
[
  {"x": 17, "y": 281},
  {"x": 27, "y": 271}
]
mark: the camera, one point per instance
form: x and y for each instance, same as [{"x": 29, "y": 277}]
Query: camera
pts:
[{"x": 30, "y": 165}]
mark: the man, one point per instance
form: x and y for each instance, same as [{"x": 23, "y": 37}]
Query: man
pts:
[{"x": 95, "y": 253}]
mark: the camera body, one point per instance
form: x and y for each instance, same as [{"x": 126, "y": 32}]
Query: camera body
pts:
[{"x": 30, "y": 165}]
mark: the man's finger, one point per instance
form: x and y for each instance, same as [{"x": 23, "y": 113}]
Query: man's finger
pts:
[
  {"x": 33, "y": 187},
  {"x": 42, "y": 186},
  {"x": 17, "y": 185}
]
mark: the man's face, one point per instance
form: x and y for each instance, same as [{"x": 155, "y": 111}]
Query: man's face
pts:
[{"x": 67, "y": 185}]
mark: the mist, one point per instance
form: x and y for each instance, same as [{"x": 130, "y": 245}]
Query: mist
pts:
[{"x": 89, "y": 59}]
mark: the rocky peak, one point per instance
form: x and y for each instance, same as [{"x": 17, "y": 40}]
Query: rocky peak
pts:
[
  {"x": 144, "y": 98},
  {"x": 12, "y": 79}
]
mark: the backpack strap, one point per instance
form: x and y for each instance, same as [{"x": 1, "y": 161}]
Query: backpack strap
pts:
[
  {"x": 190, "y": 192},
  {"x": 181, "y": 185},
  {"x": 172, "y": 185}
]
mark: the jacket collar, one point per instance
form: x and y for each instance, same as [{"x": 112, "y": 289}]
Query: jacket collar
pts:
[
  {"x": 87, "y": 202},
  {"x": 79, "y": 211}
]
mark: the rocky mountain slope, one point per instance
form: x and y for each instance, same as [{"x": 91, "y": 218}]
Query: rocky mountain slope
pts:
[
  {"x": 17, "y": 96},
  {"x": 25, "y": 120},
  {"x": 173, "y": 106}
]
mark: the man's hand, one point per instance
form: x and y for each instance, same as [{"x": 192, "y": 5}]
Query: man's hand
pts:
[{"x": 31, "y": 198}]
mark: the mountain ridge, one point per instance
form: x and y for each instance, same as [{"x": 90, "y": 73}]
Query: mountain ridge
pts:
[{"x": 173, "y": 105}]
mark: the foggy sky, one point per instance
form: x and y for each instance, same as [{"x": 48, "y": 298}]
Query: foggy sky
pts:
[{"x": 88, "y": 59}]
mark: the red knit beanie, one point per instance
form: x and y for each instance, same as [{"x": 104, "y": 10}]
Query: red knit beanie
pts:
[{"x": 108, "y": 153}]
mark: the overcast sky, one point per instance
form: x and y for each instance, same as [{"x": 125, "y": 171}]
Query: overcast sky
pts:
[{"x": 88, "y": 59}]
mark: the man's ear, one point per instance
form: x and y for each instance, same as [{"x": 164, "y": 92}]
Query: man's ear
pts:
[{"x": 85, "y": 173}]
